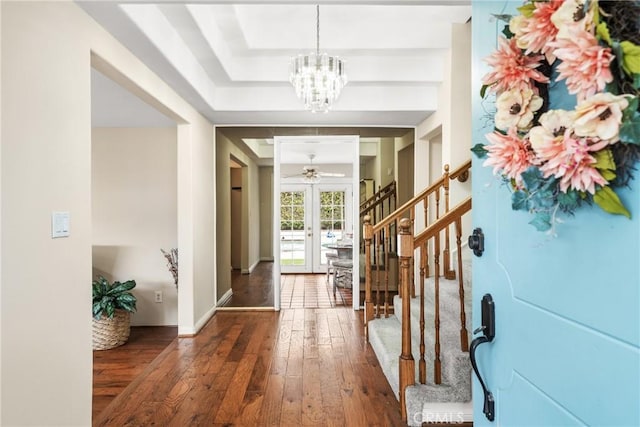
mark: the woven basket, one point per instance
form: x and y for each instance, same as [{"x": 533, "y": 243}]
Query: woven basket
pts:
[{"x": 110, "y": 333}]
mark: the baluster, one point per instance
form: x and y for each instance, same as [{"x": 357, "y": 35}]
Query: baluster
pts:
[
  {"x": 425, "y": 203},
  {"x": 422, "y": 364},
  {"x": 412, "y": 216},
  {"x": 437, "y": 368},
  {"x": 437, "y": 197},
  {"x": 367, "y": 234},
  {"x": 376, "y": 240},
  {"x": 464, "y": 335},
  {"x": 386, "y": 271},
  {"x": 449, "y": 273},
  {"x": 407, "y": 371}
]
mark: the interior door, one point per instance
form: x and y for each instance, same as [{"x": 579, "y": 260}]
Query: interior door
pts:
[{"x": 567, "y": 323}]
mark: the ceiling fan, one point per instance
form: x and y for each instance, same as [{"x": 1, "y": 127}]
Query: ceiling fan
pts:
[{"x": 312, "y": 173}]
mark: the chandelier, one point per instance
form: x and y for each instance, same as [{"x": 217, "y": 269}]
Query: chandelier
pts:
[{"x": 317, "y": 78}]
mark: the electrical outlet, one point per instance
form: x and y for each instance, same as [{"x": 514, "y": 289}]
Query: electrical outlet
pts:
[{"x": 158, "y": 296}]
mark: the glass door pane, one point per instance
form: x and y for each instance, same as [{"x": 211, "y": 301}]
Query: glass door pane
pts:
[
  {"x": 332, "y": 221},
  {"x": 292, "y": 228}
]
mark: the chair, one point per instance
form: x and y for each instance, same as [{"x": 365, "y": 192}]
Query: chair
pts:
[
  {"x": 331, "y": 256},
  {"x": 343, "y": 273}
]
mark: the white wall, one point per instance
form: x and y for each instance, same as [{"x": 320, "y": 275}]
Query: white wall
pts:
[
  {"x": 451, "y": 123},
  {"x": 134, "y": 214},
  {"x": 47, "y": 52}
]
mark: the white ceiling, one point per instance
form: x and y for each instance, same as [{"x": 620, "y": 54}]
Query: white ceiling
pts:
[{"x": 230, "y": 58}]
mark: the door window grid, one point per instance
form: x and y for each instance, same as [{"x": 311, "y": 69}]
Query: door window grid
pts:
[
  {"x": 292, "y": 228},
  {"x": 332, "y": 220}
]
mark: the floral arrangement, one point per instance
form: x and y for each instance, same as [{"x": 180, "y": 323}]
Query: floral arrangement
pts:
[
  {"x": 172, "y": 263},
  {"x": 556, "y": 160}
]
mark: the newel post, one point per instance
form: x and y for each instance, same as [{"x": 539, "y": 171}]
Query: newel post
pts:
[
  {"x": 367, "y": 234},
  {"x": 407, "y": 364}
]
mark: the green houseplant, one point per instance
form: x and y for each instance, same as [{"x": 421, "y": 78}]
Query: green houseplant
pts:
[{"x": 113, "y": 304}]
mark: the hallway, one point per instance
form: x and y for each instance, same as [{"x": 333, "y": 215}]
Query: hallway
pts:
[
  {"x": 295, "y": 367},
  {"x": 297, "y": 290}
]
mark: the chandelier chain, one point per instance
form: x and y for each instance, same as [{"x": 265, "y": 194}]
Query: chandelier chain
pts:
[{"x": 318, "y": 29}]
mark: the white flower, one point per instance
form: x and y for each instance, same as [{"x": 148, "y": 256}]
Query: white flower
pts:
[
  {"x": 600, "y": 116},
  {"x": 518, "y": 25},
  {"x": 572, "y": 15},
  {"x": 515, "y": 108}
]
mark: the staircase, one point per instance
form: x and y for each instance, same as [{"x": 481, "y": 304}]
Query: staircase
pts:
[
  {"x": 422, "y": 343},
  {"x": 450, "y": 400}
]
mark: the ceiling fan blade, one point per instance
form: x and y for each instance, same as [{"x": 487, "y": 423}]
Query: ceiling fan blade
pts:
[{"x": 337, "y": 175}]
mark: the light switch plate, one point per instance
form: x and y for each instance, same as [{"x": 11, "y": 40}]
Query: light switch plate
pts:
[{"x": 59, "y": 224}]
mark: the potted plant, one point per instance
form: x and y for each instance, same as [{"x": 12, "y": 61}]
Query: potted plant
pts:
[{"x": 112, "y": 308}]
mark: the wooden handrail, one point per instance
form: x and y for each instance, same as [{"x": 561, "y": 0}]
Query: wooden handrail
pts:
[
  {"x": 458, "y": 173},
  {"x": 444, "y": 221},
  {"x": 366, "y": 209},
  {"x": 387, "y": 188}
]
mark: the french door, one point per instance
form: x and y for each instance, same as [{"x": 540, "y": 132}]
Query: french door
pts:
[{"x": 312, "y": 218}]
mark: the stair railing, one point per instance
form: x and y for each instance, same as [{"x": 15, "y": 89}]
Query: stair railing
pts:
[
  {"x": 381, "y": 237},
  {"x": 409, "y": 244}
]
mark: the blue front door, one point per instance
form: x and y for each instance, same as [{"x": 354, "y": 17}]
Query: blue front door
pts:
[{"x": 566, "y": 349}]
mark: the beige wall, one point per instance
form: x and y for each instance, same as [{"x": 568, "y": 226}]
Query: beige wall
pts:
[
  {"x": 134, "y": 213},
  {"x": 235, "y": 209},
  {"x": 250, "y": 247},
  {"x": 266, "y": 213},
  {"x": 46, "y": 166}
]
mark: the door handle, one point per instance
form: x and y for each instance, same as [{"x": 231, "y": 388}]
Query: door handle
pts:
[
  {"x": 476, "y": 242},
  {"x": 488, "y": 329}
]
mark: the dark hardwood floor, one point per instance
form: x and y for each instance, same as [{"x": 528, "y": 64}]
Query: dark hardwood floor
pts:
[
  {"x": 297, "y": 290},
  {"x": 289, "y": 368},
  {"x": 114, "y": 369}
]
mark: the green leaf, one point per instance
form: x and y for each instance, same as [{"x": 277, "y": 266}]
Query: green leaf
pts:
[
  {"x": 607, "y": 174},
  {"x": 602, "y": 31},
  {"x": 609, "y": 201},
  {"x": 631, "y": 58},
  {"x": 479, "y": 151},
  {"x": 532, "y": 178},
  {"x": 604, "y": 160},
  {"x": 519, "y": 201},
  {"x": 568, "y": 201},
  {"x": 527, "y": 10},
  {"x": 506, "y": 31},
  {"x": 636, "y": 81},
  {"x": 542, "y": 221},
  {"x": 632, "y": 108},
  {"x": 119, "y": 288},
  {"x": 630, "y": 130},
  {"x": 483, "y": 90}
]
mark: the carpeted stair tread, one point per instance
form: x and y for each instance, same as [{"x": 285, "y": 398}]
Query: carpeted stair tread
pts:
[{"x": 423, "y": 400}]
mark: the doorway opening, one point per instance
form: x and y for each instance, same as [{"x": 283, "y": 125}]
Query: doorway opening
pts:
[{"x": 314, "y": 212}]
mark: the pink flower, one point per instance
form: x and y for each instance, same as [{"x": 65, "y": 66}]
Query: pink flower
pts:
[
  {"x": 585, "y": 64},
  {"x": 508, "y": 154},
  {"x": 511, "y": 68},
  {"x": 536, "y": 32},
  {"x": 571, "y": 161},
  {"x": 600, "y": 116}
]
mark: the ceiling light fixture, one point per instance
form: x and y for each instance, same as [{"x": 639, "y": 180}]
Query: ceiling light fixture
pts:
[{"x": 317, "y": 78}]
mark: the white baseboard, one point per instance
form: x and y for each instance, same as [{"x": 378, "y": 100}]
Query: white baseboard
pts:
[
  {"x": 250, "y": 269},
  {"x": 226, "y": 297},
  {"x": 189, "y": 332}
]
